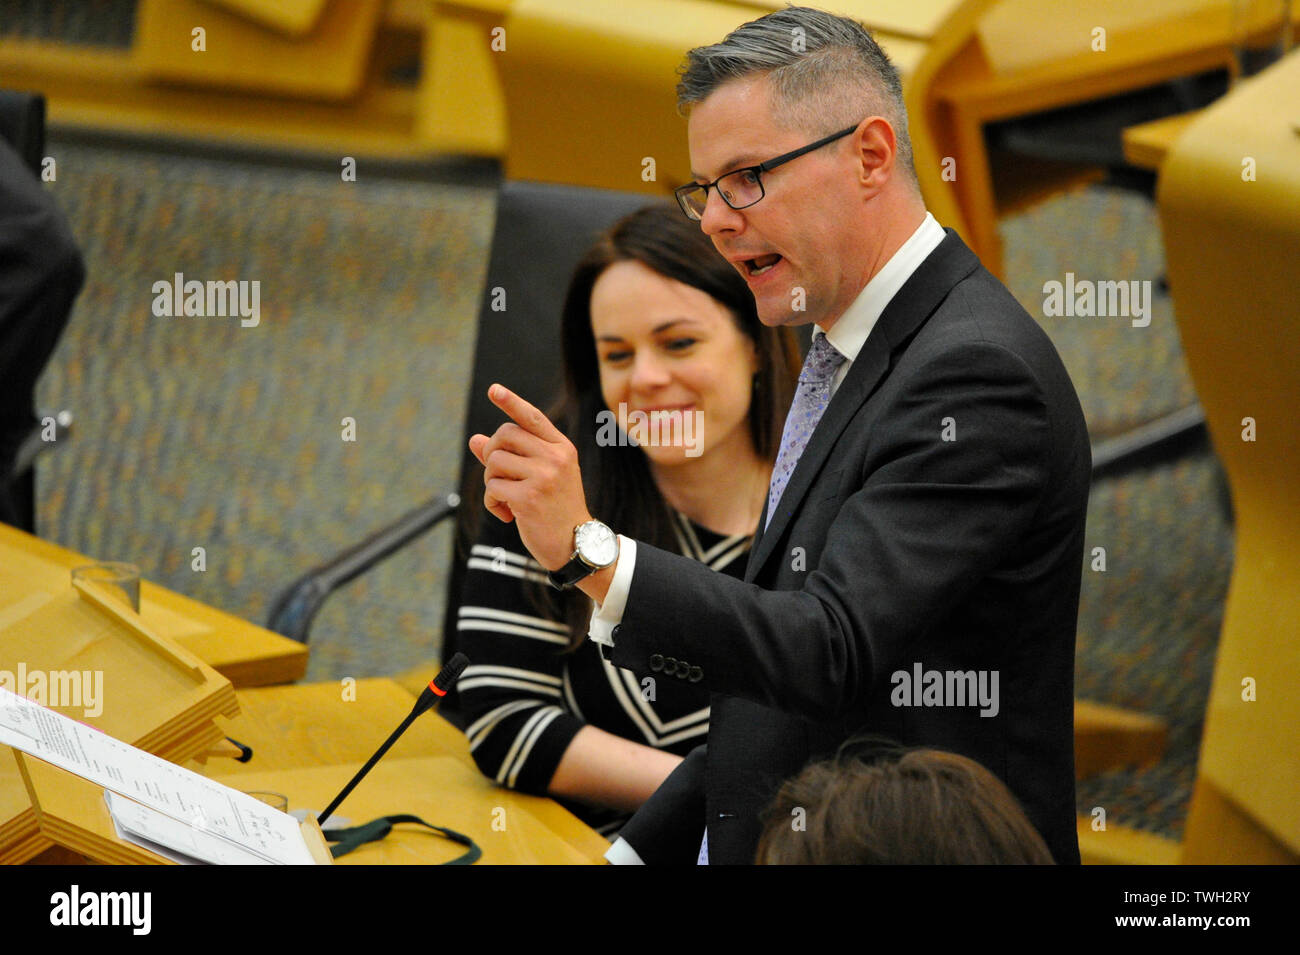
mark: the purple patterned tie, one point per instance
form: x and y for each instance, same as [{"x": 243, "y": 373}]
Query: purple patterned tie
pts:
[{"x": 810, "y": 400}]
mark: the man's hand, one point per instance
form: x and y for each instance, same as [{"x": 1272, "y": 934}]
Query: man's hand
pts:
[{"x": 532, "y": 477}]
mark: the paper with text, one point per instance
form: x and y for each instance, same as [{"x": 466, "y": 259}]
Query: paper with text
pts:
[{"x": 164, "y": 787}]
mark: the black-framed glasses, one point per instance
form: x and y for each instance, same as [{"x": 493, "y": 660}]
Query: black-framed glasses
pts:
[{"x": 741, "y": 188}]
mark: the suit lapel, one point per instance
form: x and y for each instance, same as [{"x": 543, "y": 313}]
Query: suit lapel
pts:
[{"x": 906, "y": 312}]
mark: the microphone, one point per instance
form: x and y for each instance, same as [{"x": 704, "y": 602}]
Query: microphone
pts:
[{"x": 434, "y": 692}]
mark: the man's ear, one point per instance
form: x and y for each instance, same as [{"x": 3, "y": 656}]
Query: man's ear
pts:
[{"x": 877, "y": 150}]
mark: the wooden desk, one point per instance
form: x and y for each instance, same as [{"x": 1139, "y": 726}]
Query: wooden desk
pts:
[
  {"x": 597, "y": 80},
  {"x": 456, "y": 107},
  {"x": 1023, "y": 57},
  {"x": 1232, "y": 240},
  {"x": 245, "y": 654},
  {"x": 309, "y": 740},
  {"x": 1147, "y": 144}
]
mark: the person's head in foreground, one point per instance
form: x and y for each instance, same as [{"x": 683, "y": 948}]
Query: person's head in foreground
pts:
[
  {"x": 876, "y": 803},
  {"x": 801, "y": 160}
]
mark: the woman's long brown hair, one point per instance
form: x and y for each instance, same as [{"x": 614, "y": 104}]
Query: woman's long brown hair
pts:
[{"x": 618, "y": 482}]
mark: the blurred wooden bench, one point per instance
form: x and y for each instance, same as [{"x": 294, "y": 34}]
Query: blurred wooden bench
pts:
[
  {"x": 242, "y": 652},
  {"x": 1229, "y": 203},
  {"x": 590, "y": 85},
  {"x": 385, "y": 79},
  {"x": 309, "y": 740},
  {"x": 1011, "y": 58},
  {"x": 1146, "y": 145}
]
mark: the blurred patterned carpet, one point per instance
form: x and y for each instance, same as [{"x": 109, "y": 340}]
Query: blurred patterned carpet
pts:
[
  {"x": 1125, "y": 375},
  {"x": 1149, "y": 624},
  {"x": 90, "y": 22},
  {"x": 197, "y": 432}
]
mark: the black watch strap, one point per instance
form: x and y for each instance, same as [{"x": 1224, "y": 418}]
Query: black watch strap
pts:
[{"x": 568, "y": 576}]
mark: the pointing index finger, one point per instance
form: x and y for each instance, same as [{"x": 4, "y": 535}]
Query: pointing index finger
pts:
[{"x": 523, "y": 414}]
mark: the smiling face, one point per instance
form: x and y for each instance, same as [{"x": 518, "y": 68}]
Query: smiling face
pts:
[
  {"x": 663, "y": 345},
  {"x": 802, "y": 243}
]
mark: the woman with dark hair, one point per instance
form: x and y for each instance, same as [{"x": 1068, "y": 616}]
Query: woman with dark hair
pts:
[{"x": 675, "y": 396}]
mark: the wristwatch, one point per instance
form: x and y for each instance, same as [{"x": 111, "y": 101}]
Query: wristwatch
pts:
[{"x": 595, "y": 546}]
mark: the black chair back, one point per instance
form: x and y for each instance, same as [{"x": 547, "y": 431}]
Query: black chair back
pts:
[{"x": 541, "y": 232}]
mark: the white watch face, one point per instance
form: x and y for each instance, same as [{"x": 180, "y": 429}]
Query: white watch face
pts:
[{"x": 596, "y": 544}]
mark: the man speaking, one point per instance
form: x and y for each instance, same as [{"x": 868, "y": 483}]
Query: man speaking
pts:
[{"x": 916, "y": 571}]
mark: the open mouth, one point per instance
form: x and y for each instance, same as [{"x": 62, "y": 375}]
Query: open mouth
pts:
[{"x": 761, "y": 264}]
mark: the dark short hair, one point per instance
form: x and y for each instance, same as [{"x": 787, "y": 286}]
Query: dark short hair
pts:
[
  {"x": 827, "y": 72},
  {"x": 881, "y": 804}
]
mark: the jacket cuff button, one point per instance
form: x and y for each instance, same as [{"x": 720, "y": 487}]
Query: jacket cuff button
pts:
[{"x": 656, "y": 662}]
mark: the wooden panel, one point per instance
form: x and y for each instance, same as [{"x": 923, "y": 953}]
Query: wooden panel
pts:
[
  {"x": 101, "y": 89},
  {"x": 89, "y": 657},
  {"x": 1022, "y": 34},
  {"x": 20, "y": 836},
  {"x": 1220, "y": 833},
  {"x": 84, "y": 653},
  {"x": 1106, "y": 737},
  {"x": 1232, "y": 239},
  {"x": 967, "y": 81},
  {"x": 291, "y": 17},
  {"x": 510, "y": 828},
  {"x": 69, "y": 655},
  {"x": 245, "y": 654},
  {"x": 291, "y": 727},
  {"x": 75, "y": 821},
  {"x": 460, "y": 103},
  {"x": 931, "y": 123},
  {"x": 308, "y": 741},
  {"x": 493, "y": 8},
  {"x": 591, "y": 87},
  {"x": 904, "y": 52},
  {"x": 1120, "y": 845},
  {"x": 414, "y": 680},
  {"x": 1146, "y": 144},
  {"x": 72, "y": 813},
  {"x": 919, "y": 19},
  {"x": 328, "y": 63}
]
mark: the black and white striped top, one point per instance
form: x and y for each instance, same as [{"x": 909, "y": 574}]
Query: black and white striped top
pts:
[{"x": 524, "y": 697}]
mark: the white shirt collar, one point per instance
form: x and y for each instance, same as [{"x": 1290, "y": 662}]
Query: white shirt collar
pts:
[{"x": 849, "y": 334}]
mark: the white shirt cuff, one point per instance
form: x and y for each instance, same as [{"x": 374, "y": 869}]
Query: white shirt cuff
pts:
[
  {"x": 608, "y": 615},
  {"x": 621, "y": 853}
]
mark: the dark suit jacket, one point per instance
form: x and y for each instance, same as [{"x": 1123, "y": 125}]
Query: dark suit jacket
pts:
[
  {"x": 936, "y": 517},
  {"x": 41, "y": 272}
]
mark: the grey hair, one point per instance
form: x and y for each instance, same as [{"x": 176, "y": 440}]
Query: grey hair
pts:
[{"x": 825, "y": 70}]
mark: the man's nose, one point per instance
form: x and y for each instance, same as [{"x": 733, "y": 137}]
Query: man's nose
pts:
[{"x": 719, "y": 217}]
